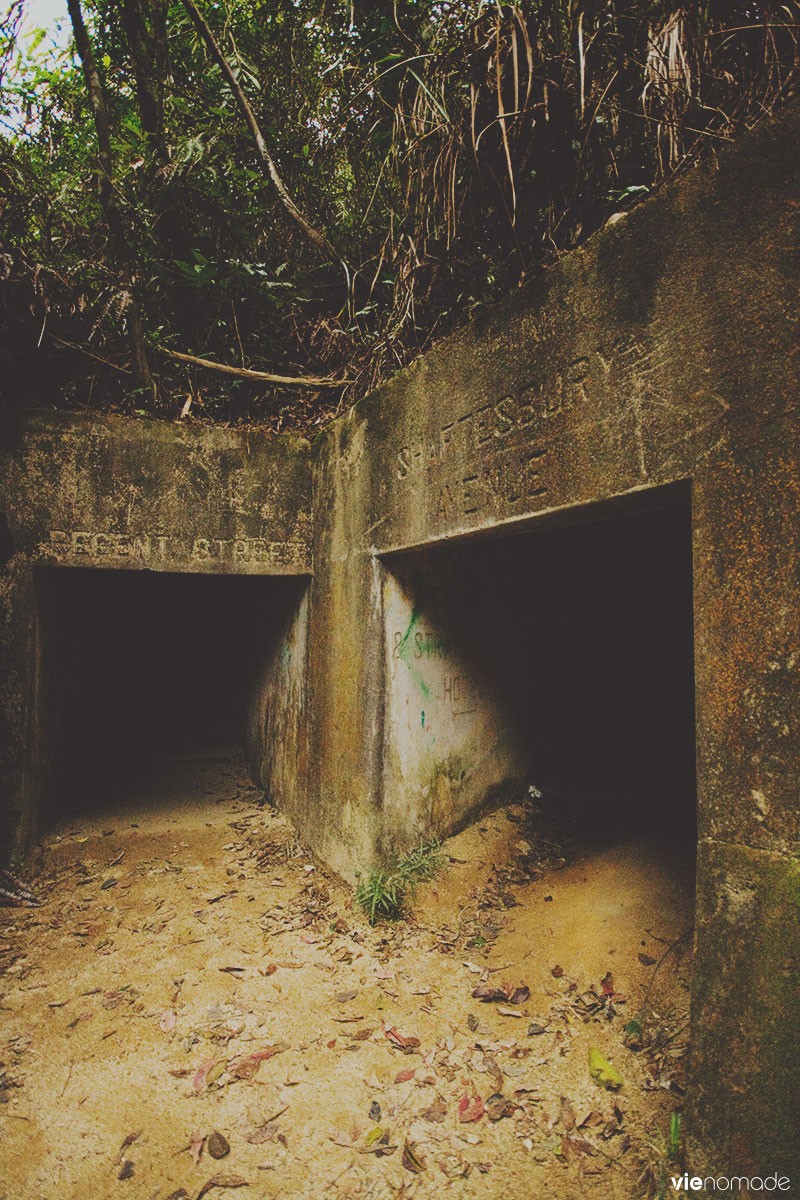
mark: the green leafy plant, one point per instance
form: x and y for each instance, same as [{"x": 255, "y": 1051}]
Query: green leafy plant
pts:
[{"x": 384, "y": 891}]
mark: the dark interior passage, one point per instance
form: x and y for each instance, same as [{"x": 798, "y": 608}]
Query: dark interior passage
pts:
[
  {"x": 142, "y": 668},
  {"x": 584, "y": 634}
]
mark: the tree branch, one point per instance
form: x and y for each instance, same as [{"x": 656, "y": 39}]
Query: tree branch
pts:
[
  {"x": 259, "y": 376},
  {"x": 265, "y": 158},
  {"x": 111, "y": 212}
]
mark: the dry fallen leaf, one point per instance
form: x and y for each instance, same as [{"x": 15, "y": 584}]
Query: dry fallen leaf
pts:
[
  {"x": 222, "y": 1181},
  {"x": 411, "y": 1160},
  {"x": 497, "y": 1106},
  {"x": 470, "y": 1109},
  {"x": 129, "y": 1140},
  {"x": 267, "y": 1133},
  {"x": 405, "y": 1043},
  {"x": 167, "y": 1022},
  {"x": 488, "y": 992},
  {"x": 196, "y": 1147},
  {"x": 490, "y": 1063},
  {"x": 436, "y": 1112},
  {"x": 246, "y": 1067},
  {"x": 199, "y": 1081},
  {"x": 218, "y": 1145},
  {"x": 404, "y": 1076}
]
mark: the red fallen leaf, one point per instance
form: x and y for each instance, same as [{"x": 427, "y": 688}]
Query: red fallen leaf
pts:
[
  {"x": 198, "y": 1083},
  {"x": 404, "y": 1076},
  {"x": 470, "y": 1109},
  {"x": 196, "y": 1147},
  {"x": 398, "y": 1039},
  {"x": 331, "y": 1044},
  {"x": 167, "y": 1022},
  {"x": 557, "y": 972},
  {"x": 607, "y": 984}
]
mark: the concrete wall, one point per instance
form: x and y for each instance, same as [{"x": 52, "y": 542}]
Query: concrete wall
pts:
[
  {"x": 663, "y": 353},
  {"x": 109, "y": 492}
]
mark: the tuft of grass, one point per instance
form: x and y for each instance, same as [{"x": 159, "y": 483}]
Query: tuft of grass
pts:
[
  {"x": 660, "y": 1154},
  {"x": 386, "y": 889}
]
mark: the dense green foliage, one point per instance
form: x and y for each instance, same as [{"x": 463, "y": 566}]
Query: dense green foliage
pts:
[{"x": 447, "y": 148}]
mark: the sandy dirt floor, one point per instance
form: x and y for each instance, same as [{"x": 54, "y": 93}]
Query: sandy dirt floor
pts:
[{"x": 198, "y": 1003}]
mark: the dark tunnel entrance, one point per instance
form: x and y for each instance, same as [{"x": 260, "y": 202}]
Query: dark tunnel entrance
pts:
[
  {"x": 144, "y": 671},
  {"x": 577, "y": 636}
]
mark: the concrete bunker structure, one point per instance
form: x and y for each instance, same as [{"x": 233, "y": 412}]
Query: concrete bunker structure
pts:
[
  {"x": 141, "y": 669},
  {"x": 497, "y": 564},
  {"x": 559, "y": 657}
]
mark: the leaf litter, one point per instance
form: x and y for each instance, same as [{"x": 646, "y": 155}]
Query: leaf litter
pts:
[{"x": 476, "y": 1093}]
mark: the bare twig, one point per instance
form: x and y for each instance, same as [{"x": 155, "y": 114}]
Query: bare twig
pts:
[
  {"x": 265, "y": 158},
  {"x": 108, "y": 201},
  {"x": 259, "y": 376},
  {"x": 98, "y": 358}
]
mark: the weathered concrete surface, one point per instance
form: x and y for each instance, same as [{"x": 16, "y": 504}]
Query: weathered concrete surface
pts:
[
  {"x": 665, "y": 350},
  {"x": 451, "y": 736},
  {"x": 109, "y": 492},
  {"x": 663, "y": 353},
  {"x": 746, "y": 1016},
  {"x": 113, "y": 492},
  {"x": 277, "y": 749}
]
